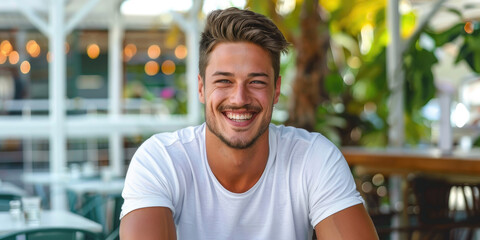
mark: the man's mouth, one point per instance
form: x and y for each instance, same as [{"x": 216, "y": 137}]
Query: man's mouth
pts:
[{"x": 239, "y": 117}]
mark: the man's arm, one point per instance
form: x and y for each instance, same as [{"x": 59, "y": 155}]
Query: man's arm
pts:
[
  {"x": 352, "y": 223},
  {"x": 148, "y": 224}
]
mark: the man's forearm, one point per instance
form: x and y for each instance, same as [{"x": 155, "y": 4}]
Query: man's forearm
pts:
[{"x": 148, "y": 224}]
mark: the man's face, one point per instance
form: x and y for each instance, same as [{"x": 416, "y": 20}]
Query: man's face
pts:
[{"x": 239, "y": 93}]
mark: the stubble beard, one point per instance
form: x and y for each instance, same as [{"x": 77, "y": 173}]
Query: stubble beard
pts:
[{"x": 236, "y": 144}]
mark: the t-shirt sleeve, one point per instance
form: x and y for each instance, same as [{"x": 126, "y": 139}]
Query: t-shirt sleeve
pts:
[
  {"x": 150, "y": 179},
  {"x": 329, "y": 181}
]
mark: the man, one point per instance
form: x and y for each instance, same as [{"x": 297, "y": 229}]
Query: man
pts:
[{"x": 237, "y": 176}]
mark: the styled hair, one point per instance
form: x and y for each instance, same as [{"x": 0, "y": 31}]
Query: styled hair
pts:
[{"x": 236, "y": 25}]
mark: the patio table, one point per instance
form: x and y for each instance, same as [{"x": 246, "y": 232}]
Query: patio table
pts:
[{"x": 401, "y": 160}]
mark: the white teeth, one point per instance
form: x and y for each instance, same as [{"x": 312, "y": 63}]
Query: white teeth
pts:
[{"x": 239, "y": 116}]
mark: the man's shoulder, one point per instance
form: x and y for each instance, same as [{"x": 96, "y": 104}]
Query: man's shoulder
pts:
[
  {"x": 299, "y": 138},
  {"x": 293, "y": 133},
  {"x": 182, "y": 136}
]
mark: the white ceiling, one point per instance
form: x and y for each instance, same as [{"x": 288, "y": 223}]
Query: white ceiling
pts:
[{"x": 99, "y": 17}]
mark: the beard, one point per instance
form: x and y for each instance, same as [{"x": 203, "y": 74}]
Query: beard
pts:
[{"x": 236, "y": 143}]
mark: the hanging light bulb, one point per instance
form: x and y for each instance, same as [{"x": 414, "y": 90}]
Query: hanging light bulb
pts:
[
  {"x": 154, "y": 51},
  {"x": 151, "y": 68},
  {"x": 25, "y": 67},
  {"x": 93, "y": 51},
  {"x": 13, "y": 57},
  {"x": 6, "y": 47},
  {"x": 181, "y": 51},
  {"x": 129, "y": 51},
  {"x": 33, "y": 48},
  {"x": 168, "y": 67}
]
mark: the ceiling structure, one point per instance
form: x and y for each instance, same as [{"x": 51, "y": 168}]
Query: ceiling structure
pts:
[
  {"x": 12, "y": 18},
  {"x": 99, "y": 17}
]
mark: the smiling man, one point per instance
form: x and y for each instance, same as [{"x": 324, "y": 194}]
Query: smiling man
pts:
[{"x": 237, "y": 176}]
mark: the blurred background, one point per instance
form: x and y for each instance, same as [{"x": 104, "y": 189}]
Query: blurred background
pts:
[{"x": 394, "y": 84}]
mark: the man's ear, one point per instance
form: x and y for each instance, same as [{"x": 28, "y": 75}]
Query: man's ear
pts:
[
  {"x": 201, "y": 89},
  {"x": 277, "y": 89}
]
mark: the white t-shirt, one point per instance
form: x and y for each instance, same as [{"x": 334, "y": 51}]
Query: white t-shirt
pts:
[{"x": 306, "y": 179}]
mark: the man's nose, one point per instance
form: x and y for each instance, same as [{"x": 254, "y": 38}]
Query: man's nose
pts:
[{"x": 239, "y": 95}]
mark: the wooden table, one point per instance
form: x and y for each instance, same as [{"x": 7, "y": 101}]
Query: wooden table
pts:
[
  {"x": 398, "y": 162},
  {"x": 415, "y": 160}
]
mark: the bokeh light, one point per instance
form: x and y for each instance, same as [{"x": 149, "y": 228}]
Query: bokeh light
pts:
[
  {"x": 181, "y": 52},
  {"x": 468, "y": 27},
  {"x": 460, "y": 115},
  {"x": 33, "y": 48},
  {"x": 382, "y": 191},
  {"x": 129, "y": 51},
  {"x": 356, "y": 134},
  {"x": 151, "y": 68},
  {"x": 285, "y": 7},
  {"x": 367, "y": 187},
  {"x": 93, "y": 51},
  {"x": 378, "y": 179},
  {"x": 13, "y": 57},
  {"x": 25, "y": 67},
  {"x": 354, "y": 62},
  {"x": 168, "y": 67},
  {"x": 154, "y": 51},
  {"x": 5, "y": 47}
]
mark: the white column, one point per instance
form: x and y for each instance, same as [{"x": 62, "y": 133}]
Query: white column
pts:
[
  {"x": 115, "y": 87},
  {"x": 190, "y": 25},
  {"x": 57, "y": 78},
  {"x": 396, "y": 133},
  {"x": 193, "y": 39},
  {"x": 445, "y": 139},
  {"x": 396, "y": 130}
]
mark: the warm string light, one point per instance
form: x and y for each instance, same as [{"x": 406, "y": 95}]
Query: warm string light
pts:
[
  {"x": 13, "y": 57},
  {"x": 181, "y": 52},
  {"x": 168, "y": 67},
  {"x": 154, "y": 51},
  {"x": 151, "y": 68},
  {"x": 33, "y": 48},
  {"x": 6, "y": 47},
  {"x": 129, "y": 51},
  {"x": 93, "y": 51},
  {"x": 25, "y": 67}
]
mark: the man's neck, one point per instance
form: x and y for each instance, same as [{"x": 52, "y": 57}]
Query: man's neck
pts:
[{"x": 237, "y": 170}]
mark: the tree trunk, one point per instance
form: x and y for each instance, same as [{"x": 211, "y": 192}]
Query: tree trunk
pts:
[{"x": 312, "y": 46}]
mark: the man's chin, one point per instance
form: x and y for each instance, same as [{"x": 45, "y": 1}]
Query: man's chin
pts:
[
  {"x": 235, "y": 142},
  {"x": 239, "y": 145}
]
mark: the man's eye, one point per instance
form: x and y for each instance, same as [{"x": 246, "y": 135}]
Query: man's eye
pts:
[
  {"x": 258, "y": 82},
  {"x": 222, "y": 81}
]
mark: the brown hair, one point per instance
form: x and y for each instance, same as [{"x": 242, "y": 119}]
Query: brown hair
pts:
[{"x": 236, "y": 25}]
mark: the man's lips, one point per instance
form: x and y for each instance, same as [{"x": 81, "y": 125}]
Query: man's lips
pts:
[
  {"x": 243, "y": 114},
  {"x": 239, "y": 117}
]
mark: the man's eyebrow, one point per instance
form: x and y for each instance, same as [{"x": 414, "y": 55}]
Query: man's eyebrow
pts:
[
  {"x": 250, "y": 75},
  {"x": 257, "y": 74},
  {"x": 218, "y": 73}
]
